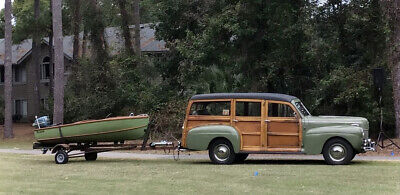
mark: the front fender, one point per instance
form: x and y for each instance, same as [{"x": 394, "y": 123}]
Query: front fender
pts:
[
  {"x": 314, "y": 139},
  {"x": 199, "y": 138}
]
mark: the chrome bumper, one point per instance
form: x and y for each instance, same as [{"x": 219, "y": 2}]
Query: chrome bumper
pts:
[{"x": 368, "y": 145}]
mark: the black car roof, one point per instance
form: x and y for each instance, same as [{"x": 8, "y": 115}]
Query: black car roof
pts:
[{"x": 265, "y": 96}]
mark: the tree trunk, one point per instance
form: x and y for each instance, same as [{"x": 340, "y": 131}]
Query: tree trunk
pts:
[
  {"x": 76, "y": 28},
  {"x": 58, "y": 116},
  {"x": 396, "y": 95},
  {"x": 125, "y": 26},
  {"x": 51, "y": 65},
  {"x": 33, "y": 79},
  {"x": 51, "y": 55},
  {"x": 84, "y": 41},
  {"x": 8, "y": 131},
  {"x": 393, "y": 11},
  {"x": 136, "y": 21},
  {"x": 97, "y": 40}
]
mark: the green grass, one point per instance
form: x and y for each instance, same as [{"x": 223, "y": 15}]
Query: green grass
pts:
[{"x": 35, "y": 174}]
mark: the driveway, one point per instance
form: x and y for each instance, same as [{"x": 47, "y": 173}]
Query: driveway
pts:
[{"x": 186, "y": 155}]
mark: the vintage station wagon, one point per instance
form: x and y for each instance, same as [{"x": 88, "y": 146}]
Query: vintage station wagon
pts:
[{"x": 233, "y": 125}]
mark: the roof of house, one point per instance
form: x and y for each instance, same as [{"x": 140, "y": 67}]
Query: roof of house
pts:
[
  {"x": 264, "y": 96},
  {"x": 113, "y": 36}
]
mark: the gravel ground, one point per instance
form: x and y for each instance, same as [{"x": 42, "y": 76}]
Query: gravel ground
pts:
[{"x": 186, "y": 155}]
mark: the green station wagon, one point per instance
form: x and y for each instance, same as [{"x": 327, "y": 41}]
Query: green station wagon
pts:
[{"x": 233, "y": 125}]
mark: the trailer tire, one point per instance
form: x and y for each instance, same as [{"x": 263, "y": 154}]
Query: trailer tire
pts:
[
  {"x": 61, "y": 157},
  {"x": 91, "y": 156}
]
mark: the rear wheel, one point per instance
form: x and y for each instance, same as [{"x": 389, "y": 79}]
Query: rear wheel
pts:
[
  {"x": 221, "y": 152},
  {"x": 61, "y": 157},
  {"x": 91, "y": 156},
  {"x": 240, "y": 157},
  {"x": 338, "y": 152}
]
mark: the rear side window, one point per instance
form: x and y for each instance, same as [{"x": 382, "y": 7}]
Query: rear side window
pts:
[
  {"x": 280, "y": 110},
  {"x": 248, "y": 108},
  {"x": 211, "y": 108}
]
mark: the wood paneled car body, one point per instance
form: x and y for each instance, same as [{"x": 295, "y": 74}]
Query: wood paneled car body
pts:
[{"x": 232, "y": 125}]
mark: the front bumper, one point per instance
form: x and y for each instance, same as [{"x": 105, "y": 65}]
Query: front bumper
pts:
[{"x": 368, "y": 145}]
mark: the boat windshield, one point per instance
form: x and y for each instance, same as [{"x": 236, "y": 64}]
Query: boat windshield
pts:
[{"x": 300, "y": 106}]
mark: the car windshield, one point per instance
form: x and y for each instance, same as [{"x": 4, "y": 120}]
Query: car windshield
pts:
[{"x": 302, "y": 108}]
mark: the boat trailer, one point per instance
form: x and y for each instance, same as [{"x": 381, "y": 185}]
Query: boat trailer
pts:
[{"x": 63, "y": 152}]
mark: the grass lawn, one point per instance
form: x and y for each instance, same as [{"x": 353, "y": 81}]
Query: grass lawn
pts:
[{"x": 35, "y": 174}]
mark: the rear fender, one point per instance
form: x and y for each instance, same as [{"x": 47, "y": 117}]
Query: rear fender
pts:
[{"x": 199, "y": 138}]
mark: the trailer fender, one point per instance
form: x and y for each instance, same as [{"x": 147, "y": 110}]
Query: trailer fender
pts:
[
  {"x": 199, "y": 138},
  {"x": 59, "y": 147}
]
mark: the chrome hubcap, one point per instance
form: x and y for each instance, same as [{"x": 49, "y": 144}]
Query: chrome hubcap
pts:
[
  {"x": 222, "y": 152},
  {"x": 337, "y": 152},
  {"x": 60, "y": 158}
]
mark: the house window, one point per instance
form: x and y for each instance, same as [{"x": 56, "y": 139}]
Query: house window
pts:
[
  {"x": 19, "y": 74},
  {"x": 45, "y": 69},
  {"x": 21, "y": 108},
  {"x": 44, "y": 103},
  {"x": 1, "y": 74}
]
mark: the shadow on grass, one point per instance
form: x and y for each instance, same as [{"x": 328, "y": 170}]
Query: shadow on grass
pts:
[
  {"x": 279, "y": 162},
  {"x": 80, "y": 161}
]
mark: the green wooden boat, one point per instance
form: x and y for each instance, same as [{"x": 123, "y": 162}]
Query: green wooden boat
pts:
[{"x": 104, "y": 130}]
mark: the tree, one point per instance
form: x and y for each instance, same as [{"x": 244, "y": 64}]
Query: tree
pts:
[
  {"x": 59, "y": 83},
  {"x": 136, "y": 21},
  {"x": 8, "y": 131},
  {"x": 394, "y": 57},
  {"x": 125, "y": 26},
  {"x": 34, "y": 68},
  {"x": 76, "y": 23}
]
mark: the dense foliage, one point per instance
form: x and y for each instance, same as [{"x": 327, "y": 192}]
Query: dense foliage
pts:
[{"x": 321, "y": 52}]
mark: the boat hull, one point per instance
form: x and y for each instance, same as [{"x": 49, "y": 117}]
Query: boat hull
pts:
[{"x": 106, "y": 130}]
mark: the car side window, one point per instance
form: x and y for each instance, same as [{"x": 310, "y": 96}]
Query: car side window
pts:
[
  {"x": 280, "y": 110},
  {"x": 248, "y": 108},
  {"x": 211, "y": 108}
]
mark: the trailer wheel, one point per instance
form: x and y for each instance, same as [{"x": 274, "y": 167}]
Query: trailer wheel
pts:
[
  {"x": 61, "y": 157},
  {"x": 91, "y": 156}
]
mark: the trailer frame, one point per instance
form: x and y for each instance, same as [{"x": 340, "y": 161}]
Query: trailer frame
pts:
[{"x": 64, "y": 151}]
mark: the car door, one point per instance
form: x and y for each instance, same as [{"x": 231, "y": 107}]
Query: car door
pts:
[
  {"x": 283, "y": 127},
  {"x": 248, "y": 121}
]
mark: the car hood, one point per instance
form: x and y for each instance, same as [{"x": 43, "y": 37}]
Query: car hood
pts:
[{"x": 310, "y": 122}]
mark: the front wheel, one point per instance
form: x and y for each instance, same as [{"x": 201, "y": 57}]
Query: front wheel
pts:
[
  {"x": 338, "y": 152},
  {"x": 61, "y": 157},
  {"x": 221, "y": 152}
]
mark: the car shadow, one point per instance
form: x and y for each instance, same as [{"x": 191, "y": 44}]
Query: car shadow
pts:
[{"x": 276, "y": 162}]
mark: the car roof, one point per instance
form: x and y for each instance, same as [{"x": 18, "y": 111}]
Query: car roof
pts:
[{"x": 264, "y": 96}]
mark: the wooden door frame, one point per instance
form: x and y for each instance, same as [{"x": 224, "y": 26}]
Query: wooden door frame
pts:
[
  {"x": 249, "y": 118},
  {"x": 298, "y": 117}
]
